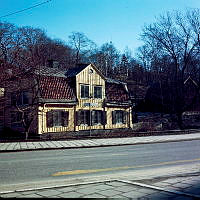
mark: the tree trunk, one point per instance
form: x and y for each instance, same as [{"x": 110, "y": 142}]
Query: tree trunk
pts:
[
  {"x": 27, "y": 129},
  {"x": 26, "y": 135}
]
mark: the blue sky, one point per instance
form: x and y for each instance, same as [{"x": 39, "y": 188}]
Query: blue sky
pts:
[{"x": 119, "y": 21}]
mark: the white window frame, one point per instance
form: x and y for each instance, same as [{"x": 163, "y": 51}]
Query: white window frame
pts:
[
  {"x": 83, "y": 96},
  {"x": 96, "y": 93}
]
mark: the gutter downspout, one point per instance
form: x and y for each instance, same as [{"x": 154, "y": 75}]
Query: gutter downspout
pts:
[
  {"x": 75, "y": 118},
  {"x": 43, "y": 117},
  {"x": 104, "y": 115},
  {"x": 129, "y": 117}
]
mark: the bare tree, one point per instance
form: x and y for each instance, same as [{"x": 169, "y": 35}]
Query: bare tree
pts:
[
  {"x": 10, "y": 41},
  {"x": 176, "y": 36},
  {"x": 18, "y": 60},
  {"x": 82, "y": 46},
  {"x": 57, "y": 50},
  {"x": 107, "y": 59},
  {"x": 23, "y": 92}
]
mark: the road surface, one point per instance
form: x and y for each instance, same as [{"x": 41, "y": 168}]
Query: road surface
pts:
[{"x": 51, "y": 165}]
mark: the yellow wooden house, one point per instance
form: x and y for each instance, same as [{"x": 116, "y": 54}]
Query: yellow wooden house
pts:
[
  {"x": 82, "y": 99},
  {"x": 79, "y": 99}
]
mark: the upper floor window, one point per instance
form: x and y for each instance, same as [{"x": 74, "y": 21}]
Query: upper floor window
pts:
[
  {"x": 98, "y": 92},
  {"x": 21, "y": 98},
  {"x": 84, "y": 91},
  {"x": 91, "y": 71}
]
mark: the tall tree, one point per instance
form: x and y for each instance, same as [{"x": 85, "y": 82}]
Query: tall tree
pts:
[
  {"x": 82, "y": 46},
  {"x": 107, "y": 59},
  {"x": 175, "y": 35}
]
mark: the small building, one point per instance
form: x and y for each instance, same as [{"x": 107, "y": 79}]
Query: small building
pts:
[{"x": 78, "y": 99}]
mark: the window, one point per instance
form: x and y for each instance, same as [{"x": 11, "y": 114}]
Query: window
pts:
[
  {"x": 16, "y": 119},
  {"x": 21, "y": 98},
  {"x": 24, "y": 98},
  {"x": 83, "y": 117},
  {"x": 91, "y": 71},
  {"x": 13, "y": 99},
  {"x": 98, "y": 92},
  {"x": 84, "y": 91},
  {"x": 2, "y": 92},
  {"x": 57, "y": 118},
  {"x": 98, "y": 117},
  {"x": 118, "y": 116}
]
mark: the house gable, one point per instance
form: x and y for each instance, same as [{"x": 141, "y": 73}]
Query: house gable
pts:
[
  {"x": 90, "y": 76},
  {"x": 73, "y": 72}
]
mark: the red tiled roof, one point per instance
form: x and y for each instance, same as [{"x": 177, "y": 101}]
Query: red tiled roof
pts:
[
  {"x": 52, "y": 87},
  {"x": 116, "y": 92}
]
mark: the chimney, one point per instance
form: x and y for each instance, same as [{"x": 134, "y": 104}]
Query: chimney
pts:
[
  {"x": 52, "y": 63},
  {"x": 55, "y": 64}
]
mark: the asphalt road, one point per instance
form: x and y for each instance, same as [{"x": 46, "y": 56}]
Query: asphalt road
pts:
[{"x": 20, "y": 167}]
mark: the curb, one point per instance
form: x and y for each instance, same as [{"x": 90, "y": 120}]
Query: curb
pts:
[{"x": 96, "y": 146}]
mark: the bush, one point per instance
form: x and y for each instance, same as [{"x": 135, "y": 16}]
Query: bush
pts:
[{"x": 9, "y": 134}]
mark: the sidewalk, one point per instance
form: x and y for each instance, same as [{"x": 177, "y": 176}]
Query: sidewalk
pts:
[
  {"x": 47, "y": 145},
  {"x": 180, "y": 183},
  {"x": 171, "y": 188}
]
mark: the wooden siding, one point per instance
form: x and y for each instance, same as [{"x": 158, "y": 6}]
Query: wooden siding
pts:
[
  {"x": 42, "y": 120},
  {"x": 109, "y": 124},
  {"x": 91, "y": 79}
]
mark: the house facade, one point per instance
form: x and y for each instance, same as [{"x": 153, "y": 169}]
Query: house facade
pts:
[
  {"x": 78, "y": 99},
  {"x": 86, "y": 101}
]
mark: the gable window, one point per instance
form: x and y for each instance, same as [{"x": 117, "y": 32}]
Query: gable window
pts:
[
  {"x": 21, "y": 98},
  {"x": 118, "y": 117},
  {"x": 98, "y": 92},
  {"x": 84, "y": 91},
  {"x": 57, "y": 118}
]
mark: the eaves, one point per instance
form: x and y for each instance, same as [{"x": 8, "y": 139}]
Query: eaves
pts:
[{"x": 67, "y": 101}]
